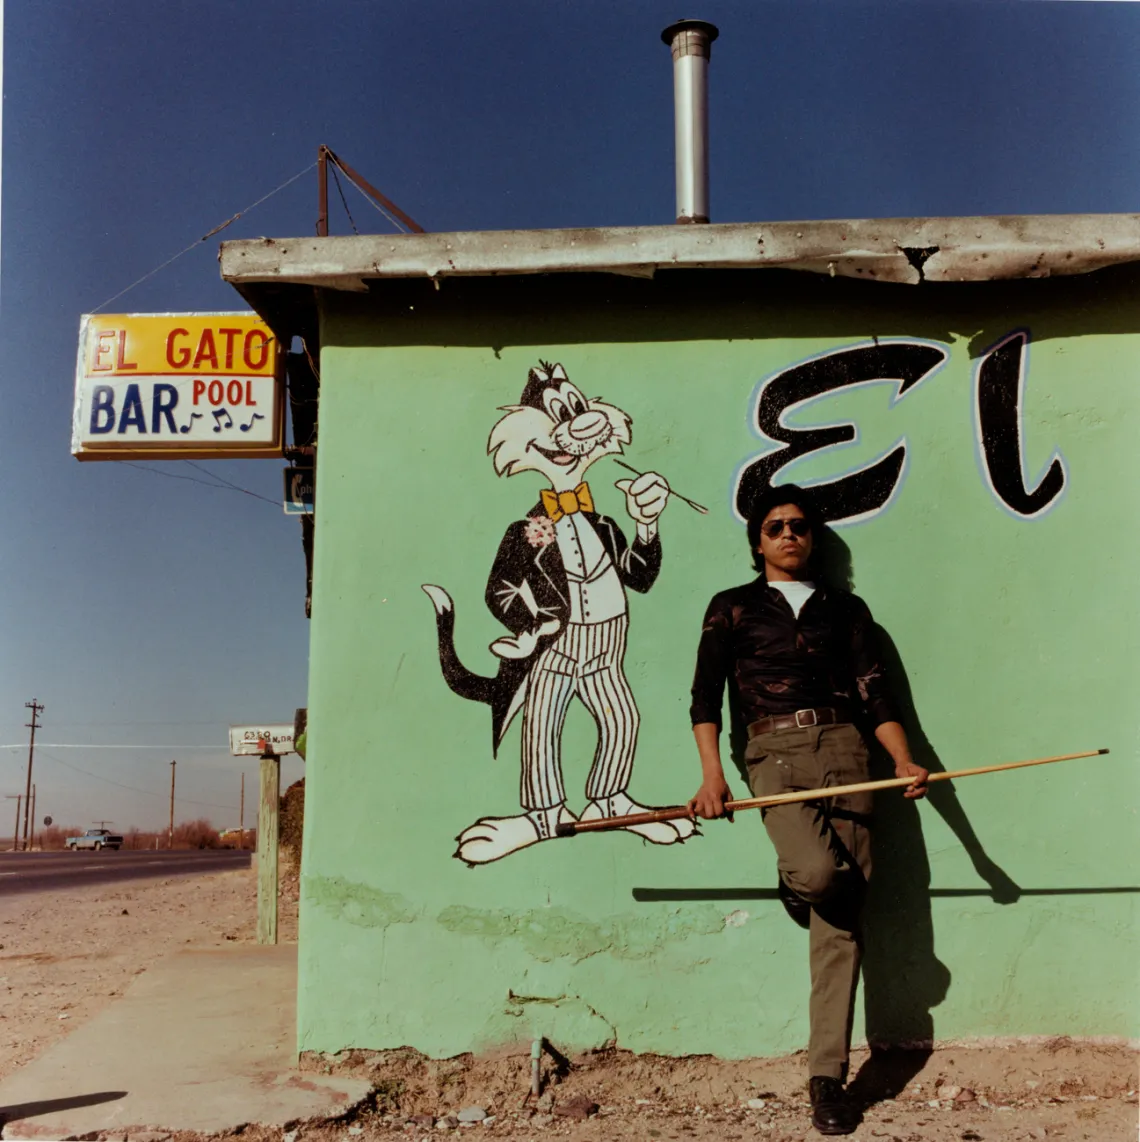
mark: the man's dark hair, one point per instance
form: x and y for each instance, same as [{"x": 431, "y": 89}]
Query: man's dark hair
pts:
[{"x": 774, "y": 497}]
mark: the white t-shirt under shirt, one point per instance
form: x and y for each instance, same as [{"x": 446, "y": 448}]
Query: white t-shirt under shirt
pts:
[{"x": 797, "y": 592}]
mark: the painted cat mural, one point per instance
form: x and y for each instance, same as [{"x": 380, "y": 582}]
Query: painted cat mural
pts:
[{"x": 558, "y": 584}]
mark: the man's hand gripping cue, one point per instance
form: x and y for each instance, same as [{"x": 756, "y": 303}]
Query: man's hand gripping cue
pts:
[
  {"x": 892, "y": 738},
  {"x": 710, "y": 799},
  {"x": 917, "y": 788}
]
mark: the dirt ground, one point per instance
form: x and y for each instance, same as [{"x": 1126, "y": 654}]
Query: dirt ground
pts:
[
  {"x": 1058, "y": 1089},
  {"x": 65, "y": 956}
]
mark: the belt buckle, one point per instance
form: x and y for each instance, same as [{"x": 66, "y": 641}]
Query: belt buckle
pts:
[{"x": 806, "y": 725}]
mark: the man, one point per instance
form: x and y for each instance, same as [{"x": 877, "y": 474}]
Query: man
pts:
[{"x": 801, "y": 665}]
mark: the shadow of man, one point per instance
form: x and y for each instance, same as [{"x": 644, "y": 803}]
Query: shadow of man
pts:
[{"x": 903, "y": 979}]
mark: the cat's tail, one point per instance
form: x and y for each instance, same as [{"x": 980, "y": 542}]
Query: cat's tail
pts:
[{"x": 466, "y": 683}]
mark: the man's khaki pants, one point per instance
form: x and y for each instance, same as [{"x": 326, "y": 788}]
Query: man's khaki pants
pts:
[{"x": 824, "y": 855}]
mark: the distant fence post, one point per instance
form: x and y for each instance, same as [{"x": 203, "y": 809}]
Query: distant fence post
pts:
[{"x": 267, "y": 845}]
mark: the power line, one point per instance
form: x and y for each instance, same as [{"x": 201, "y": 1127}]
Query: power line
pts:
[
  {"x": 112, "y": 745},
  {"x": 136, "y": 723},
  {"x": 208, "y": 234},
  {"x": 132, "y": 788}
]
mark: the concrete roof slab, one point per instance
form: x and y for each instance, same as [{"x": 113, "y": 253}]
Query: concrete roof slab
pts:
[{"x": 906, "y": 250}]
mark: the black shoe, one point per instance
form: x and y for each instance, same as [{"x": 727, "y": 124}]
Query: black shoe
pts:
[
  {"x": 832, "y": 1112},
  {"x": 795, "y": 905}
]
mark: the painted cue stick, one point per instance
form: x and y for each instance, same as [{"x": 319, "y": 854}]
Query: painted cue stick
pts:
[
  {"x": 571, "y": 829},
  {"x": 692, "y": 503}
]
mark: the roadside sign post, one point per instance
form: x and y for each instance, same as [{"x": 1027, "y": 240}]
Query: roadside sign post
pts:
[
  {"x": 268, "y": 743},
  {"x": 267, "y": 827}
]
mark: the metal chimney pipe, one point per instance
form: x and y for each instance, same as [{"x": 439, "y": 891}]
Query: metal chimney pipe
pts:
[{"x": 691, "y": 44}]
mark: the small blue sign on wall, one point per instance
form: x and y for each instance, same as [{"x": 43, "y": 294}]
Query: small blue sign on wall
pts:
[{"x": 300, "y": 488}]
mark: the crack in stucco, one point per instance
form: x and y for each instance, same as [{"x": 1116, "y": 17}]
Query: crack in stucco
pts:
[
  {"x": 551, "y": 933},
  {"x": 514, "y": 998},
  {"x": 1036, "y": 924},
  {"x": 358, "y": 904},
  {"x": 517, "y": 1004}
]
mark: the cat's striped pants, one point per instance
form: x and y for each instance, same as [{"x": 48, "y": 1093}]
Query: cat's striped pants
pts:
[{"x": 585, "y": 661}]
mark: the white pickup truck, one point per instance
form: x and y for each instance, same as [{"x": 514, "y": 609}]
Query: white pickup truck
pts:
[{"x": 95, "y": 839}]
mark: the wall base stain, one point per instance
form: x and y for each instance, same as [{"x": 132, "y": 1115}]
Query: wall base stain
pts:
[
  {"x": 551, "y": 933},
  {"x": 358, "y": 904}
]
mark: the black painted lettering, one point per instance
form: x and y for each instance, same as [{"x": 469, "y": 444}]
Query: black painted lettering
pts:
[
  {"x": 998, "y": 393},
  {"x": 857, "y": 494}
]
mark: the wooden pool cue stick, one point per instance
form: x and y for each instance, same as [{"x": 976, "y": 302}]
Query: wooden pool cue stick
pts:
[
  {"x": 675, "y": 813},
  {"x": 695, "y": 506}
]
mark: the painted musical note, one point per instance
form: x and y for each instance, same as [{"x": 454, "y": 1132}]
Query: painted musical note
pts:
[
  {"x": 247, "y": 427},
  {"x": 190, "y": 423},
  {"x": 218, "y": 414}
]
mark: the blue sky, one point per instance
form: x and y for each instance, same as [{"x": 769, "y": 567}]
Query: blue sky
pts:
[{"x": 152, "y": 612}]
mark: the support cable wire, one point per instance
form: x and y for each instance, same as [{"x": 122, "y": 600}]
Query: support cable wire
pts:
[
  {"x": 209, "y": 234},
  {"x": 224, "y": 483},
  {"x": 344, "y": 201},
  {"x": 372, "y": 202},
  {"x": 222, "y": 487}
]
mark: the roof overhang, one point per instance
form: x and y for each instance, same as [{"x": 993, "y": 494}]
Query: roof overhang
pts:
[{"x": 903, "y": 250}]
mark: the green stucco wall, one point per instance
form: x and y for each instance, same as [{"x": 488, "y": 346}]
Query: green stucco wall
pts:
[{"x": 1016, "y": 636}]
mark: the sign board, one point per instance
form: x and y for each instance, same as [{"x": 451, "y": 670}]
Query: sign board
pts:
[
  {"x": 177, "y": 386},
  {"x": 47, "y": 820},
  {"x": 300, "y": 491},
  {"x": 244, "y": 739}
]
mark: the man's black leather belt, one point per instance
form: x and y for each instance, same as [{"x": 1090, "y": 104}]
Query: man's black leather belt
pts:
[{"x": 800, "y": 720}]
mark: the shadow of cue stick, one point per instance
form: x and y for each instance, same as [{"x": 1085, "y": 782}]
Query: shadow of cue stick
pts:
[{"x": 572, "y": 829}]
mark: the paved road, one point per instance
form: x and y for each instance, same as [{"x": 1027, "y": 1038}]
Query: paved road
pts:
[{"x": 47, "y": 872}]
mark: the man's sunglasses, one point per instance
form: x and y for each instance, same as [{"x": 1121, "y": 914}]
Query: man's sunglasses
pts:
[{"x": 774, "y": 528}]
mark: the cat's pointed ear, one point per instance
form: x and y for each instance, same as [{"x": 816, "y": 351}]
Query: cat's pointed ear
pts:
[
  {"x": 537, "y": 382},
  {"x": 558, "y": 373}
]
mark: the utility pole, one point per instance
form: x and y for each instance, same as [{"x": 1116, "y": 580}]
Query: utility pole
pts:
[
  {"x": 33, "y": 725},
  {"x": 241, "y": 816},
  {"x": 17, "y": 797},
  {"x": 32, "y": 838},
  {"x": 170, "y": 837}
]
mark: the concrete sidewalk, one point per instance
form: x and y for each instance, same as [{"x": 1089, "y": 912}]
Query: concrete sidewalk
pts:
[{"x": 205, "y": 1040}]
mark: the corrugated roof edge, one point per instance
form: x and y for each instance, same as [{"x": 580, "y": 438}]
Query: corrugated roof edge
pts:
[{"x": 908, "y": 250}]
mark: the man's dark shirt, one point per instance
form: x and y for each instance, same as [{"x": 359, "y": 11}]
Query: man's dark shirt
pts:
[{"x": 776, "y": 663}]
